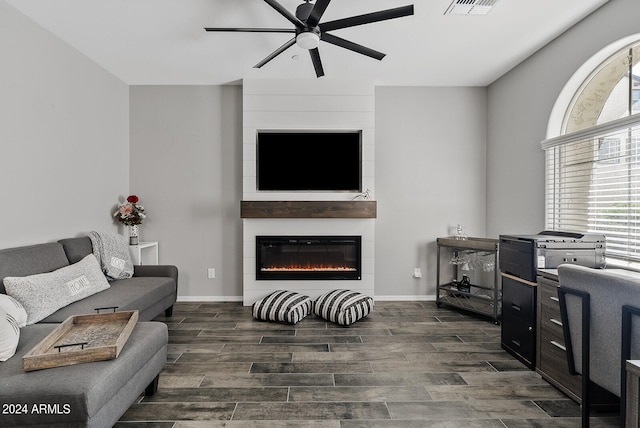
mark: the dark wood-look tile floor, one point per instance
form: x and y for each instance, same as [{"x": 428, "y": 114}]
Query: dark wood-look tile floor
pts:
[{"x": 408, "y": 364}]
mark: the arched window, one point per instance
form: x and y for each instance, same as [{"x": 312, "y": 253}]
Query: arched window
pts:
[
  {"x": 593, "y": 168},
  {"x": 611, "y": 92}
]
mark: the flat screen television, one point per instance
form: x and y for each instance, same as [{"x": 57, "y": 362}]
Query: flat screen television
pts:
[{"x": 329, "y": 161}]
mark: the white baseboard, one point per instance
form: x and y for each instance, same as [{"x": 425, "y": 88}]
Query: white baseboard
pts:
[
  {"x": 414, "y": 298},
  {"x": 209, "y": 299}
]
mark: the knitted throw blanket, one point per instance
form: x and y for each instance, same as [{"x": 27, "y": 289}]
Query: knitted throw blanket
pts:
[{"x": 112, "y": 253}]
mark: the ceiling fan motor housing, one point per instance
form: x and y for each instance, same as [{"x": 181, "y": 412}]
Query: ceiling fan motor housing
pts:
[
  {"x": 306, "y": 37},
  {"x": 304, "y": 10}
]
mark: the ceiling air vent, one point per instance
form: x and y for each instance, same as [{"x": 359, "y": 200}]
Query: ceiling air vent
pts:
[{"x": 470, "y": 7}]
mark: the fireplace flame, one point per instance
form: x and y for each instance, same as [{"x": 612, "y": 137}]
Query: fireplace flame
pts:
[{"x": 308, "y": 268}]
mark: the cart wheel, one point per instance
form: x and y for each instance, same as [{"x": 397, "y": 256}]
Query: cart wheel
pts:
[{"x": 496, "y": 322}]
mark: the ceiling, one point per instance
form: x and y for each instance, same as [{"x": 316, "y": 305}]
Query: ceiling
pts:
[{"x": 162, "y": 42}]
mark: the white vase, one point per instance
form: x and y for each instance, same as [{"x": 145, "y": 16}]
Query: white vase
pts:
[{"x": 134, "y": 233}]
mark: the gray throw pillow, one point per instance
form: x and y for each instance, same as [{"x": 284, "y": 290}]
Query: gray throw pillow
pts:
[{"x": 43, "y": 294}]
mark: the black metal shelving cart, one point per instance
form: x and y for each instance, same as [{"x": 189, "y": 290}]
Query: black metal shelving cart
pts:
[{"x": 477, "y": 259}]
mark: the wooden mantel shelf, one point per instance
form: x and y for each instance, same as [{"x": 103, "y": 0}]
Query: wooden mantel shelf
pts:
[{"x": 308, "y": 209}]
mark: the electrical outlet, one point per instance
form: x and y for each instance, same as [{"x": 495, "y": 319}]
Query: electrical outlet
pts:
[
  {"x": 211, "y": 273},
  {"x": 417, "y": 273}
]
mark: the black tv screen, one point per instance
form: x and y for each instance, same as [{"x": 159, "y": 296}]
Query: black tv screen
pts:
[{"x": 309, "y": 160}]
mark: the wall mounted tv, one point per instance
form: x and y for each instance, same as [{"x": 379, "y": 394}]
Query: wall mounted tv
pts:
[{"x": 329, "y": 161}]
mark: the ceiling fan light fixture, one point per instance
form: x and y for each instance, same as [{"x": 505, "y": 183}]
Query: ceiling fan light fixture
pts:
[{"x": 308, "y": 40}]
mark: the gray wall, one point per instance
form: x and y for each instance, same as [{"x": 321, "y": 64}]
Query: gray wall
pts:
[
  {"x": 519, "y": 108},
  {"x": 63, "y": 137},
  {"x": 430, "y": 176},
  {"x": 186, "y": 166}
]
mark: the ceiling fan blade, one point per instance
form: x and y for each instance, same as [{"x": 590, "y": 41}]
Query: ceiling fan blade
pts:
[
  {"x": 317, "y": 63},
  {"x": 284, "y": 12},
  {"x": 367, "y": 18},
  {"x": 276, "y": 53},
  {"x": 338, "y": 41},
  {"x": 317, "y": 12},
  {"x": 253, "y": 30}
]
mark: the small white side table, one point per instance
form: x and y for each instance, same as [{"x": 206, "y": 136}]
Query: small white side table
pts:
[{"x": 145, "y": 253}]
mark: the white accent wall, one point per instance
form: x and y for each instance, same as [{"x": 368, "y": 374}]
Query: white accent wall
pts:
[{"x": 308, "y": 105}]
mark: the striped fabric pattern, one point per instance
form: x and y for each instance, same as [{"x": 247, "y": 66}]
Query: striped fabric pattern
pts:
[
  {"x": 343, "y": 307},
  {"x": 282, "y": 306}
]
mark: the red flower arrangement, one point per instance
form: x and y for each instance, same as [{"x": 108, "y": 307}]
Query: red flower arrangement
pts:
[{"x": 130, "y": 212}]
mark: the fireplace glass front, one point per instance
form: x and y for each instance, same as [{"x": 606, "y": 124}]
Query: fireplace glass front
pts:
[{"x": 308, "y": 257}]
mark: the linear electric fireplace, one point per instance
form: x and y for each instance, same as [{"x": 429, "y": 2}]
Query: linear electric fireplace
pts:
[{"x": 308, "y": 257}]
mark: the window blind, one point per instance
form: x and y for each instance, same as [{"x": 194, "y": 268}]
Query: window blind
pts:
[{"x": 592, "y": 180}]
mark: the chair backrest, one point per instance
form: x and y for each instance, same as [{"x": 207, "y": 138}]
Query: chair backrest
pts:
[{"x": 609, "y": 291}]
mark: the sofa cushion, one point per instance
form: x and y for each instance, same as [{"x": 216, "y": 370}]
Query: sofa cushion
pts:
[
  {"x": 148, "y": 295},
  {"x": 9, "y": 335},
  {"x": 343, "y": 307},
  {"x": 32, "y": 259},
  {"x": 45, "y": 293},
  {"x": 13, "y": 308},
  {"x": 82, "y": 395},
  {"x": 282, "y": 306},
  {"x": 76, "y": 249}
]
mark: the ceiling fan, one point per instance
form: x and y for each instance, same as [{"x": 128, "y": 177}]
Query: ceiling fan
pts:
[{"x": 309, "y": 31}]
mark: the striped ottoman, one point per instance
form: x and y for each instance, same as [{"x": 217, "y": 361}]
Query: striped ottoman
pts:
[
  {"x": 343, "y": 307},
  {"x": 282, "y": 306}
]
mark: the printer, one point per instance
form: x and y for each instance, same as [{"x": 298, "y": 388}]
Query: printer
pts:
[{"x": 523, "y": 255}]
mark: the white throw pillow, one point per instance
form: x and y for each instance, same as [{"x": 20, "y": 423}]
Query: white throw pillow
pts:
[
  {"x": 43, "y": 294},
  {"x": 13, "y": 308},
  {"x": 9, "y": 335}
]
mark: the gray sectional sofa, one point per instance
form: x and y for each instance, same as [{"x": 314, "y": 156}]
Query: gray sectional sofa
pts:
[{"x": 94, "y": 394}]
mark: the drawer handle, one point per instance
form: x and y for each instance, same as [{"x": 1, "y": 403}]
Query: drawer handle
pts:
[
  {"x": 515, "y": 342},
  {"x": 555, "y": 299},
  {"x": 555, "y": 321},
  {"x": 516, "y": 307},
  {"x": 558, "y": 345}
]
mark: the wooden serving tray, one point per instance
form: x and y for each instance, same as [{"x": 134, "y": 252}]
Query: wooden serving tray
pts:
[{"x": 82, "y": 339}]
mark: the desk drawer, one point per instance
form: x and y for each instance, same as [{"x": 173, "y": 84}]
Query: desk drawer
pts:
[
  {"x": 549, "y": 295},
  {"x": 553, "y": 361},
  {"x": 518, "y": 300},
  {"x": 520, "y": 338},
  {"x": 551, "y": 322}
]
